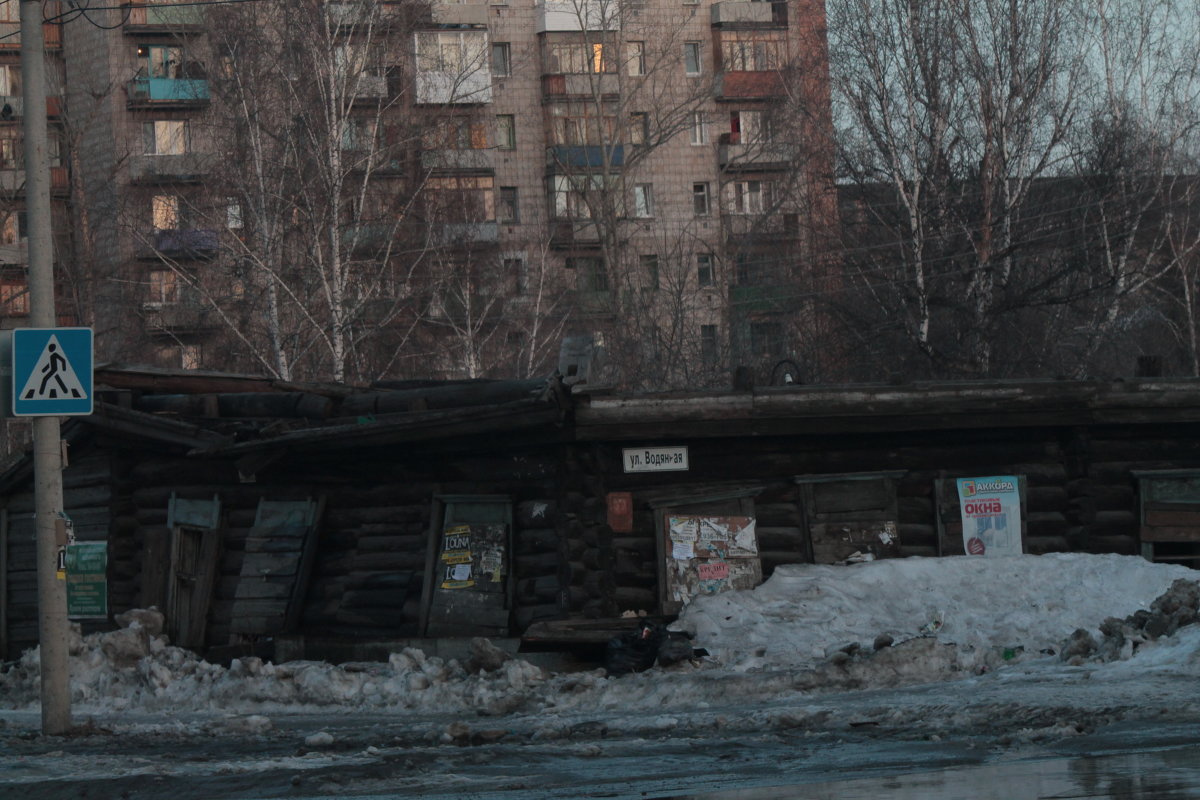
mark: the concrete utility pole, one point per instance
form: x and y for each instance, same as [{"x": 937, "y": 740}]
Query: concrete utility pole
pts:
[{"x": 47, "y": 443}]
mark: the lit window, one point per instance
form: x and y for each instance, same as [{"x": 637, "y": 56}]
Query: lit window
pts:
[
  {"x": 164, "y": 212},
  {"x": 164, "y": 137}
]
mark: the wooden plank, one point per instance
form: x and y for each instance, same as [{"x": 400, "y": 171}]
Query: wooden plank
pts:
[
  {"x": 304, "y": 568},
  {"x": 1156, "y": 518},
  {"x": 852, "y": 496},
  {"x": 1190, "y": 508},
  {"x": 4, "y": 584},
  {"x": 272, "y": 564},
  {"x": 1169, "y": 534},
  {"x": 249, "y": 589},
  {"x": 156, "y": 566}
]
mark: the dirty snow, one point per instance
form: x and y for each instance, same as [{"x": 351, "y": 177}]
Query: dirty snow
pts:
[{"x": 810, "y": 628}]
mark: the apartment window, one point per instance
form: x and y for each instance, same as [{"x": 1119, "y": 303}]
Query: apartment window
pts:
[
  {"x": 508, "y": 210},
  {"x": 506, "y": 132},
  {"x": 14, "y": 297},
  {"x": 590, "y": 274},
  {"x": 752, "y": 51},
  {"x": 705, "y": 276},
  {"x": 160, "y": 61},
  {"x": 581, "y": 124},
  {"x": 649, "y": 268},
  {"x": 569, "y": 195},
  {"x": 578, "y": 58},
  {"x": 189, "y": 356},
  {"x": 461, "y": 198},
  {"x": 639, "y": 128},
  {"x": 451, "y": 51},
  {"x": 358, "y": 134},
  {"x": 700, "y": 203},
  {"x": 13, "y": 228},
  {"x": 164, "y": 137},
  {"x": 708, "y": 344},
  {"x": 233, "y": 214},
  {"x": 699, "y": 128},
  {"x": 747, "y": 127},
  {"x": 766, "y": 338},
  {"x": 748, "y": 197},
  {"x": 691, "y": 58},
  {"x": 643, "y": 200},
  {"x": 164, "y": 287},
  {"x": 10, "y": 80},
  {"x": 164, "y": 212},
  {"x": 11, "y": 152},
  {"x": 636, "y": 63},
  {"x": 501, "y": 59},
  {"x": 514, "y": 270}
]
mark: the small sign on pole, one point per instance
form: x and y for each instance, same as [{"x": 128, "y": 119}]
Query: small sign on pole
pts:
[
  {"x": 87, "y": 580},
  {"x": 51, "y": 372}
]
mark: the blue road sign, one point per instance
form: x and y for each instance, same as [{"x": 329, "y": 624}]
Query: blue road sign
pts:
[{"x": 51, "y": 372}]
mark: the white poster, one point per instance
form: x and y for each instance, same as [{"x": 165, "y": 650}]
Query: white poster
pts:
[{"x": 991, "y": 515}]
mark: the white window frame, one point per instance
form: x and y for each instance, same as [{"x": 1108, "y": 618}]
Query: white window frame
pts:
[
  {"x": 695, "y": 49},
  {"x": 643, "y": 200}
]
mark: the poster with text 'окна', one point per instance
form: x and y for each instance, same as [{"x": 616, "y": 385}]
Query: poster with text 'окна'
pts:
[{"x": 991, "y": 515}]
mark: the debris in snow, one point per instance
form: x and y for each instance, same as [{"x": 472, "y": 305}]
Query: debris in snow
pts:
[
  {"x": 148, "y": 619},
  {"x": 882, "y": 641},
  {"x": 485, "y": 656},
  {"x": 1177, "y": 607},
  {"x": 253, "y": 724},
  {"x": 319, "y": 739}
]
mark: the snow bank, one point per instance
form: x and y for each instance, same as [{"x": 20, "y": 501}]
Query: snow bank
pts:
[
  {"x": 947, "y": 618},
  {"x": 1029, "y": 602}
]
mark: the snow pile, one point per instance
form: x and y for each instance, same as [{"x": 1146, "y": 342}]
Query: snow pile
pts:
[
  {"x": 806, "y": 613},
  {"x": 809, "y": 628}
]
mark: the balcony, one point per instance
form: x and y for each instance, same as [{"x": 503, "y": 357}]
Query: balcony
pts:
[
  {"x": 758, "y": 85},
  {"x": 574, "y": 157},
  {"x": 166, "y": 18},
  {"x": 13, "y": 180},
  {"x": 756, "y": 157},
  {"x": 370, "y": 87},
  {"x": 567, "y": 87},
  {"x": 183, "y": 244},
  {"x": 168, "y": 93},
  {"x": 466, "y": 233},
  {"x": 746, "y": 14},
  {"x": 181, "y": 168},
  {"x": 348, "y": 16},
  {"x": 593, "y": 302},
  {"x": 454, "y": 88},
  {"x": 457, "y": 161},
  {"x": 576, "y": 15},
  {"x": 459, "y": 15},
  {"x": 369, "y": 238},
  {"x": 770, "y": 227},
  {"x": 10, "y": 32},
  {"x": 572, "y": 234},
  {"x": 177, "y": 318},
  {"x": 12, "y": 107},
  {"x": 765, "y": 298},
  {"x": 15, "y": 254}
]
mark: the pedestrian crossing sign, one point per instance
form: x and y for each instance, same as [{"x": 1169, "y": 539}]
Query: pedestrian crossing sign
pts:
[{"x": 51, "y": 372}]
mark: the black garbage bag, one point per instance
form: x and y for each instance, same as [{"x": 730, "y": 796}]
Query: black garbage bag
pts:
[
  {"x": 636, "y": 650},
  {"x": 675, "y": 648}
]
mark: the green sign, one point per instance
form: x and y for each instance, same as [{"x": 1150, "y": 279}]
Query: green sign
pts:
[{"x": 87, "y": 583}]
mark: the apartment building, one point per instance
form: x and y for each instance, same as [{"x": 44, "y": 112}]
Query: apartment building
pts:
[{"x": 447, "y": 190}]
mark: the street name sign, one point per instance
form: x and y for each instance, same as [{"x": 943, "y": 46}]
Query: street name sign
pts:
[{"x": 51, "y": 372}]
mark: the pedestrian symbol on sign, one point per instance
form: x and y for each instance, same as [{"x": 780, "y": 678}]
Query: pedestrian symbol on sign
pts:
[{"x": 52, "y": 377}]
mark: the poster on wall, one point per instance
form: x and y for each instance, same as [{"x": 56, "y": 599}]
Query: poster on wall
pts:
[
  {"x": 991, "y": 515},
  {"x": 711, "y": 554},
  {"x": 87, "y": 580}
]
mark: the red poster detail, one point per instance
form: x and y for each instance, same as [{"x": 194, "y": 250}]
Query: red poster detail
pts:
[{"x": 714, "y": 571}]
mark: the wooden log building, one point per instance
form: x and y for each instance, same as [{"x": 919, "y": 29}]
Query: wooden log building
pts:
[{"x": 257, "y": 512}]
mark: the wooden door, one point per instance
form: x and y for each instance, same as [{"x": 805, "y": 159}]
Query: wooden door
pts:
[
  {"x": 195, "y": 527},
  {"x": 706, "y": 545},
  {"x": 275, "y": 570},
  {"x": 470, "y": 579}
]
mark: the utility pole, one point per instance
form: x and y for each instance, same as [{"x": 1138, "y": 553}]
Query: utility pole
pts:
[{"x": 47, "y": 442}]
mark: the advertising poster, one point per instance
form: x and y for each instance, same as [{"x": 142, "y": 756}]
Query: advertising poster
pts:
[
  {"x": 991, "y": 515},
  {"x": 87, "y": 581}
]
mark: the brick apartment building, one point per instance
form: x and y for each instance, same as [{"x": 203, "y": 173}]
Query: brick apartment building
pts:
[{"x": 456, "y": 185}]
